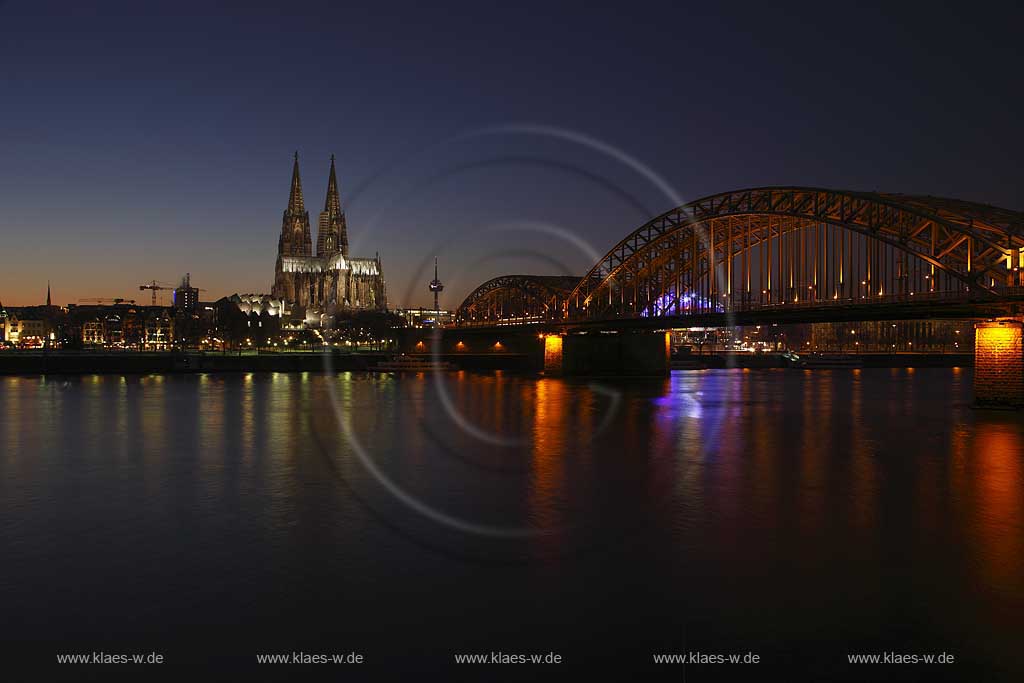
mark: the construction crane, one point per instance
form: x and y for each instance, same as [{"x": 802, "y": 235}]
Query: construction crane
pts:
[
  {"x": 156, "y": 287},
  {"x": 106, "y": 300}
]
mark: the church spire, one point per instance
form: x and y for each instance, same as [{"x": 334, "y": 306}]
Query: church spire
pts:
[
  {"x": 295, "y": 238},
  {"x": 333, "y": 203},
  {"x": 48, "y": 294},
  {"x": 332, "y": 234},
  {"x": 295, "y": 203}
]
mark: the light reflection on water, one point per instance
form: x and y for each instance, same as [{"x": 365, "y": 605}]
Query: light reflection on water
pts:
[{"x": 855, "y": 496}]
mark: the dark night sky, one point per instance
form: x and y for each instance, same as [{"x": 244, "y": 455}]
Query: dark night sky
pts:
[{"x": 141, "y": 142}]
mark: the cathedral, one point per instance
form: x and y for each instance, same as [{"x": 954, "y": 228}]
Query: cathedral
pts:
[{"x": 330, "y": 280}]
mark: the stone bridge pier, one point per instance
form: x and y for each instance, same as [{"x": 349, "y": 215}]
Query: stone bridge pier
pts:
[
  {"x": 999, "y": 363},
  {"x": 644, "y": 354}
]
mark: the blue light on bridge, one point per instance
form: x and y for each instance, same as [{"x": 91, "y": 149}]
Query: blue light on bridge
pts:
[{"x": 670, "y": 304}]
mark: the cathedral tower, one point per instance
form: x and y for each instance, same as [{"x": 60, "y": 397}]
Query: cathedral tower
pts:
[
  {"x": 332, "y": 234},
  {"x": 295, "y": 236}
]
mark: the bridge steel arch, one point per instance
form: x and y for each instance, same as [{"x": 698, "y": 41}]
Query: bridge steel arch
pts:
[
  {"x": 784, "y": 246},
  {"x": 516, "y": 299}
]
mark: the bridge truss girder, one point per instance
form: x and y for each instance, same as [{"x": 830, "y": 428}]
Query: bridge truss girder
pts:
[
  {"x": 827, "y": 244},
  {"x": 516, "y": 299}
]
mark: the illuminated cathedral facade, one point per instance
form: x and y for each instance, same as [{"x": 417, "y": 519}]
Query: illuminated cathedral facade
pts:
[{"x": 329, "y": 280}]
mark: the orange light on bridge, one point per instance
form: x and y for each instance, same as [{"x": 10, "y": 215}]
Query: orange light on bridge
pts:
[
  {"x": 999, "y": 363},
  {"x": 552, "y": 354}
]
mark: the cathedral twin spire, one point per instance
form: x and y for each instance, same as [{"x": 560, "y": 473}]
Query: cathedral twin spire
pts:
[
  {"x": 332, "y": 233},
  {"x": 333, "y": 203},
  {"x": 295, "y": 203},
  {"x": 295, "y": 239}
]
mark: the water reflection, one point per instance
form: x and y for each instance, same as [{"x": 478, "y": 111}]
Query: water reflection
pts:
[
  {"x": 551, "y": 429},
  {"x": 884, "y": 483},
  {"x": 994, "y": 488}
]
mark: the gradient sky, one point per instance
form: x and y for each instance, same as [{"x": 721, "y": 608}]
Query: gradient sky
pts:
[{"x": 141, "y": 140}]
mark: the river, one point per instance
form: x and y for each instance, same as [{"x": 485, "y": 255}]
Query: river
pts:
[{"x": 797, "y": 516}]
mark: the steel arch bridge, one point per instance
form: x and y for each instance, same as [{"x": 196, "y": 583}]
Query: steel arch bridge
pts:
[
  {"x": 516, "y": 300},
  {"x": 777, "y": 249},
  {"x": 782, "y": 246}
]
